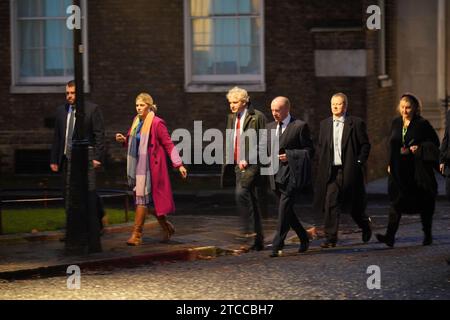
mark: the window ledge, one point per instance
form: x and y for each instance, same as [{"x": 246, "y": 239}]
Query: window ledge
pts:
[
  {"x": 384, "y": 81},
  {"x": 211, "y": 87},
  {"x": 27, "y": 89},
  {"x": 336, "y": 29}
]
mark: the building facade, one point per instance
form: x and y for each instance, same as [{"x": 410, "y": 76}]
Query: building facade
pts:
[{"x": 188, "y": 53}]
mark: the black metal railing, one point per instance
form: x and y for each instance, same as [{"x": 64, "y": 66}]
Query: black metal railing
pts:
[{"x": 48, "y": 195}]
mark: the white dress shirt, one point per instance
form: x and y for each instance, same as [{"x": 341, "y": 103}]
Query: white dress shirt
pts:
[
  {"x": 338, "y": 130},
  {"x": 241, "y": 124},
  {"x": 284, "y": 124}
]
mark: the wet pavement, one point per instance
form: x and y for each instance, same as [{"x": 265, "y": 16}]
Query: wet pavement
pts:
[
  {"x": 213, "y": 260},
  {"x": 408, "y": 271}
]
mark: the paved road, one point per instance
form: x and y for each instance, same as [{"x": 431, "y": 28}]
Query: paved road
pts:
[{"x": 409, "y": 271}]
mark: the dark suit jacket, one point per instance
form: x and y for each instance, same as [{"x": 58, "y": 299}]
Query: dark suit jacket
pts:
[
  {"x": 355, "y": 151},
  {"x": 256, "y": 120},
  {"x": 94, "y": 132},
  {"x": 445, "y": 147},
  {"x": 296, "y": 141}
]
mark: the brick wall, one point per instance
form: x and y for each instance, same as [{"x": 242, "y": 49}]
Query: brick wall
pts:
[
  {"x": 139, "y": 46},
  {"x": 4, "y": 69},
  {"x": 380, "y": 101},
  {"x": 5, "y": 66}
]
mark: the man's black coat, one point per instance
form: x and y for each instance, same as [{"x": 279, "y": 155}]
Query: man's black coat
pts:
[
  {"x": 355, "y": 151},
  {"x": 296, "y": 142},
  {"x": 445, "y": 147},
  {"x": 94, "y": 132}
]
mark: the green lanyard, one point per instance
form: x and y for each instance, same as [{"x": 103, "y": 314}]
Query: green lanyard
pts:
[{"x": 404, "y": 130}]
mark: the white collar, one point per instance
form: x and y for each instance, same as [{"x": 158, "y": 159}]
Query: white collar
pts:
[
  {"x": 340, "y": 119},
  {"x": 286, "y": 120},
  {"x": 243, "y": 113}
]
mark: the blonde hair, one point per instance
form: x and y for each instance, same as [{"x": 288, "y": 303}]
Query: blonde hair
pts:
[
  {"x": 239, "y": 94},
  {"x": 413, "y": 101},
  {"x": 148, "y": 100},
  {"x": 341, "y": 95}
]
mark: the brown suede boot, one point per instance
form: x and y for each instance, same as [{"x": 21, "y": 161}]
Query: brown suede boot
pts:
[
  {"x": 168, "y": 228},
  {"x": 139, "y": 219}
]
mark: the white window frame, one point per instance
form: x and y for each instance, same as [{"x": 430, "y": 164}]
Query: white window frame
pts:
[
  {"x": 382, "y": 40},
  {"x": 384, "y": 80},
  {"x": 44, "y": 84},
  {"x": 220, "y": 83}
]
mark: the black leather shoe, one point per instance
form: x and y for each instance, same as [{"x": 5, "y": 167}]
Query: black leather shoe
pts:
[
  {"x": 366, "y": 235},
  {"x": 384, "y": 239},
  {"x": 257, "y": 246},
  {"x": 274, "y": 254},
  {"x": 328, "y": 244},
  {"x": 304, "y": 245},
  {"x": 427, "y": 240}
]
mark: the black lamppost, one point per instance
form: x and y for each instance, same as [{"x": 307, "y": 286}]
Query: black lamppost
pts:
[{"x": 83, "y": 226}]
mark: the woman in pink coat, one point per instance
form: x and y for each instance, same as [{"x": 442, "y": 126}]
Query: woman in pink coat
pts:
[{"x": 148, "y": 142}]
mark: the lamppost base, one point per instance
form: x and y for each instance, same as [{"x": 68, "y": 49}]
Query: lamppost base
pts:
[{"x": 83, "y": 225}]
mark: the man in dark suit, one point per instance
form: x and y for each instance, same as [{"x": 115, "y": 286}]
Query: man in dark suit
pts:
[
  {"x": 294, "y": 170},
  {"x": 343, "y": 150},
  {"x": 64, "y": 131},
  {"x": 241, "y": 154},
  {"x": 444, "y": 158}
]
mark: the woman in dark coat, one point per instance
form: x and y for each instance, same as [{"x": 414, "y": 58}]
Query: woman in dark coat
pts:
[{"x": 414, "y": 155}]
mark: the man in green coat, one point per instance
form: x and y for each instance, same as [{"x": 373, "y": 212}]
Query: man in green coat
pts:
[{"x": 242, "y": 149}]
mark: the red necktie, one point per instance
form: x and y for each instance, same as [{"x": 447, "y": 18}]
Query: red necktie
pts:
[{"x": 236, "y": 141}]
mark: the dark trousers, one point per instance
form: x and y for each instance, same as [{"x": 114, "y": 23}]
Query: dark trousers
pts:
[
  {"x": 262, "y": 194},
  {"x": 333, "y": 201},
  {"x": 247, "y": 204},
  {"x": 427, "y": 207},
  {"x": 287, "y": 219},
  {"x": 447, "y": 187}
]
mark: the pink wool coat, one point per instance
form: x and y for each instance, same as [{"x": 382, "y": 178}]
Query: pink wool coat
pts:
[{"x": 160, "y": 144}]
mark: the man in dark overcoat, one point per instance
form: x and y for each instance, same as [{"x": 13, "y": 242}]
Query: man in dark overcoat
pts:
[
  {"x": 444, "y": 158},
  {"x": 340, "y": 188},
  {"x": 293, "y": 154},
  {"x": 64, "y": 133}
]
